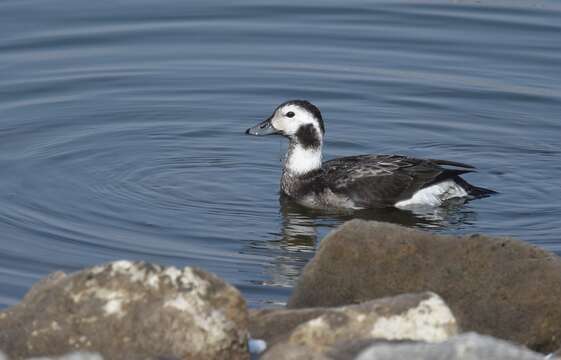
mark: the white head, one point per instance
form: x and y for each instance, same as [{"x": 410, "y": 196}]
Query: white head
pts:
[
  {"x": 301, "y": 122},
  {"x": 298, "y": 120}
]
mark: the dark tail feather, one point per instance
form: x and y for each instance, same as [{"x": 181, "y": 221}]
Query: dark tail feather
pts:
[
  {"x": 475, "y": 191},
  {"x": 453, "y": 163}
]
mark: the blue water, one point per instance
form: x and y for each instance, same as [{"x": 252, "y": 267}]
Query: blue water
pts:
[{"x": 121, "y": 125}]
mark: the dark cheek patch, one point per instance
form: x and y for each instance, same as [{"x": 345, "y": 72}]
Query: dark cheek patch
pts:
[{"x": 308, "y": 136}]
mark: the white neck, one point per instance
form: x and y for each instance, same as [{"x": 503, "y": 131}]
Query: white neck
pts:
[{"x": 300, "y": 160}]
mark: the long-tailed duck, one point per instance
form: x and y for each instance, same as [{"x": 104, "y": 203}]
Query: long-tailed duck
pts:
[{"x": 357, "y": 182}]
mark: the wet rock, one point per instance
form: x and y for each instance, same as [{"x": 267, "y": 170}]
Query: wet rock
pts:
[
  {"x": 497, "y": 286},
  {"x": 129, "y": 310},
  {"x": 470, "y": 346},
  {"x": 410, "y": 316}
]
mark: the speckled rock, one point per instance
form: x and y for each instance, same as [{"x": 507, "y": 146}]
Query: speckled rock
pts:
[
  {"x": 129, "y": 310},
  {"x": 405, "y": 317},
  {"x": 469, "y": 346},
  {"x": 497, "y": 286},
  {"x": 274, "y": 325}
]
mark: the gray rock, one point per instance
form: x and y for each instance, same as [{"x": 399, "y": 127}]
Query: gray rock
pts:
[
  {"x": 405, "y": 317},
  {"x": 129, "y": 310},
  {"x": 293, "y": 352},
  {"x": 72, "y": 356},
  {"x": 351, "y": 349},
  {"x": 497, "y": 286},
  {"x": 469, "y": 346}
]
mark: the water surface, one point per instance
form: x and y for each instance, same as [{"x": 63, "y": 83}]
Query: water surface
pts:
[{"x": 121, "y": 125}]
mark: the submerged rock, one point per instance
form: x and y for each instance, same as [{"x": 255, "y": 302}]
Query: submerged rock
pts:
[
  {"x": 497, "y": 286},
  {"x": 469, "y": 346},
  {"x": 406, "y": 317},
  {"x": 129, "y": 310}
]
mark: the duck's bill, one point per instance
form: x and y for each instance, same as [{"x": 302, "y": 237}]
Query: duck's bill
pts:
[{"x": 263, "y": 128}]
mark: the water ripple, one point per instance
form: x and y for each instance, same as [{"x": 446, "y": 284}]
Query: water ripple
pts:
[{"x": 121, "y": 125}]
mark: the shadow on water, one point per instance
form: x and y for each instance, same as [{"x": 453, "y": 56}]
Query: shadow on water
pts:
[{"x": 302, "y": 229}]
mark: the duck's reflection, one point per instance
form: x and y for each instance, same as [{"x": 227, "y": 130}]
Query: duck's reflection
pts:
[
  {"x": 299, "y": 221},
  {"x": 302, "y": 228}
]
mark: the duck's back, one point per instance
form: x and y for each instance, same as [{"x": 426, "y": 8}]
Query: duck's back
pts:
[{"x": 388, "y": 180}]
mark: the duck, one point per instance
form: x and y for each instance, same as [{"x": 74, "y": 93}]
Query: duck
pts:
[{"x": 359, "y": 181}]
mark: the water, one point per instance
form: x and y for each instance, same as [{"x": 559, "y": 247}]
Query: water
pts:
[{"x": 121, "y": 125}]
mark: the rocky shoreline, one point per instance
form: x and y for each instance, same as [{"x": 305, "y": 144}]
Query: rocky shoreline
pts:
[{"x": 372, "y": 291}]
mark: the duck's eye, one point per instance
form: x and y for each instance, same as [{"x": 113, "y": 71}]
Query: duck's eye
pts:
[{"x": 290, "y": 114}]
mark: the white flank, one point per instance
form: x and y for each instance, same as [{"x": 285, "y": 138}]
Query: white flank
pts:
[
  {"x": 434, "y": 195},
  {"x": 300, "y": 161}
]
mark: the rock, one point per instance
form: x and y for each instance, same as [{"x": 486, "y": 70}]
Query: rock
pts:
[
  {"x": 497, "y": 286},
  {"x": 293, "y": 352},
  {"x": 256, "y": 346},
  {"x": 405, "y": 317},
  {"x": 351, "y": 349},
  {"x": 274, "y": 325},
  {"x": 129, "y": 310},
  {"x": 469, "y": 346},
  {"x": 72, "y": 356}
]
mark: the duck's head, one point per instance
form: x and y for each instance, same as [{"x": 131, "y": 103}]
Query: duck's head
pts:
[{"x": 298, "y": 120}]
